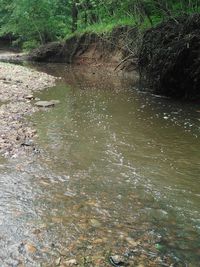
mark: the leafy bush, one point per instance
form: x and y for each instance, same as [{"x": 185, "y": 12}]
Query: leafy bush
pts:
[{"x": 41, "y": 21}]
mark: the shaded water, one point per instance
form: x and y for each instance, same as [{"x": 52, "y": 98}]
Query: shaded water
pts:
[{"x": 118, "y": 173}]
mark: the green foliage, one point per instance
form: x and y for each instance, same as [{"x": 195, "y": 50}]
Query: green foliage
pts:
[
  {"x": 28, "y": 45},
  {"x": 39, "y": 21}
]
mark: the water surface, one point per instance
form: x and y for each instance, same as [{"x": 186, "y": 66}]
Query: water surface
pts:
[{"x": 117, "y": 173}]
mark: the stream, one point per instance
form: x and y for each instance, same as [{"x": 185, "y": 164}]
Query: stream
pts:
[{"x": 117, "y": 172}]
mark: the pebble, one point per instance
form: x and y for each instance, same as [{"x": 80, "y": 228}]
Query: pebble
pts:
[
  {"x": 132, "y": 242},
  {"x": 57, "y": 262},
  {"x": 71, "y": 262},
  {"x": 95, "y": 223},
  {"x": 116, "y": 260},
  {"x": 29, "y": 97},
  {"x": 30, "y": 248},
  {"x": 14, "y": 98}
]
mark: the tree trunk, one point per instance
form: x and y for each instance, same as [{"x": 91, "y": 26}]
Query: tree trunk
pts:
[{"x": 74, "y": 16}]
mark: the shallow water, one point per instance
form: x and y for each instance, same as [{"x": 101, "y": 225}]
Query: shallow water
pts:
[{"x": 117, "y": 173}]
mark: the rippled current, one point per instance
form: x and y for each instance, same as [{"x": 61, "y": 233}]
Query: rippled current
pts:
[{"x": 117, "y": 172}]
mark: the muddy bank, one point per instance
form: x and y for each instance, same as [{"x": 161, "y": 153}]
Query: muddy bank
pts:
[
  {"x": 17, "y": 84},
  {"x": 91, "y": 48},
  {"x": 169, "y": 59}
]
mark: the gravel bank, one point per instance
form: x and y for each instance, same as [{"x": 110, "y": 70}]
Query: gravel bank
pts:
[{"x": 17, "y": 84}]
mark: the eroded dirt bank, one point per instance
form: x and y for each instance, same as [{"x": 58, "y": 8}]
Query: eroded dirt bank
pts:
[
  {"x": 117, "y": 49},
  {"x": 169, "y": 55},
  {"x": 17, "y": 84},
  {"x": 169, "y": 59}
]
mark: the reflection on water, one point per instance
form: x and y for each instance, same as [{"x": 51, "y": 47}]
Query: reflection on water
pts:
[{"x": 118, "y": 173}]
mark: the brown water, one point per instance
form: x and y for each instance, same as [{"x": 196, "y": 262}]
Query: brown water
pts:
[{"x": 118, "y": 173}]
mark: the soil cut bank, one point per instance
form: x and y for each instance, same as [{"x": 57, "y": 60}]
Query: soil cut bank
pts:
[
  {"x": 169, "y": 58},
  {"x": 109, "y": 49},
  {"x": 17, "y": 84},
  {"x": 169, "y": 54}
]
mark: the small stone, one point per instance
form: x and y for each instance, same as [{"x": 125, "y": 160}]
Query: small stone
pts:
[
  {"x": 95, "y": 223},
  {"x": 57, "y": 262},
  {"x": 71, "y": 262},
  {"x": 30, "y": 248},
  {"x": 29, "y": 97},
  {"x": 98, "y": 241},
  {"x": 27, "y": 143},
  {"x": 36, "y": 231},
  {"x": 117, "y": 260},
  {"x": 132, "y": 242},
  {"x": 57, "y": 220}
]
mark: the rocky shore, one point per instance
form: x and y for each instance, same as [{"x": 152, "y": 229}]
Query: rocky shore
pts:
[{"x": 17, "y": 85}]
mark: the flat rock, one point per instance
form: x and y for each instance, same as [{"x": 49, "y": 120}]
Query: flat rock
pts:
[
  {"x": 46, "y": 104},
  {"x": 27, "y": 143},
  {"x": 29, "y": 97},
  {"x": 55, "y": 102}
]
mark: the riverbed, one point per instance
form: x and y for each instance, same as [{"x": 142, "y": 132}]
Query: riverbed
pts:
[{"x": 116, "y": 178}]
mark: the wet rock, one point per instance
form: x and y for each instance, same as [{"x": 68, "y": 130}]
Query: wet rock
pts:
[
  {"x": 46, "y": 104},
  {"x": 117, "y": 260}
]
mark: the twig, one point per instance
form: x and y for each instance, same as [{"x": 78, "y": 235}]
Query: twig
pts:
[{"x": 122, "y": 61}]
